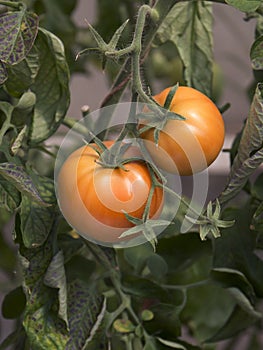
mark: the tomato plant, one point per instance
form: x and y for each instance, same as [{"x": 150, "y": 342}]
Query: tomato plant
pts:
[
  {"x": 196, "y": 283},
  {"x": 188, "y": 146},
  {"x": 94, "y": 198}
]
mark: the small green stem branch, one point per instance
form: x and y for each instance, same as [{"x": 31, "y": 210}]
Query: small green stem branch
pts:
[
  {"x": 11, "y": 4},
  {"x": 186, "y": 286},
  {"x": 73, "y": 124},
  {"x": 125, "y": 299},
  {"x": 116, "y": 282}
]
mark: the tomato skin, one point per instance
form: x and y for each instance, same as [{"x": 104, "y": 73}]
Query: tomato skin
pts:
[
  {"x": 187, "y": 146},
  {"x": 92, "y": 198}
]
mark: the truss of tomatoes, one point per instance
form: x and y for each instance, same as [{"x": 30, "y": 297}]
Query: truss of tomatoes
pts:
[{"x": 97, "y": 200}]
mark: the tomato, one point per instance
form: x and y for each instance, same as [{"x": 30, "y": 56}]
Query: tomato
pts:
[
  {"x": 93, "y": 198},
  {"x": 187, "y": 146}
]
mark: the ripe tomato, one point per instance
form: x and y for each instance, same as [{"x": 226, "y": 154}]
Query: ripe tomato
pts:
[
  {"x": 187, "y": 146},
  {"x": 93, "y": 198}
]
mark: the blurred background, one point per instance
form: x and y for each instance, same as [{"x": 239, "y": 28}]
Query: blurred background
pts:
[{"x": 232, "y": 39}]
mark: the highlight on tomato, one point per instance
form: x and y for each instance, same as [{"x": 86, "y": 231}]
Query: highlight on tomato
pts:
[
  {"x": 94, "y": 198},
  {"x": 188, "y": 146}
]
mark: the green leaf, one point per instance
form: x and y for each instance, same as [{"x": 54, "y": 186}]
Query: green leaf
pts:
[
  {"x": 230, "y": 278},
  {"x": 20, "y": 179},
  {"x": 256, "y": 54},
  {"x": 236, "y": 249},
  {"x": 166, "y": 321},
  {"x": 18, "y": 30},
  {"x": 55, "y": 277},
  {"x": 137, "y": 256},
  {"x": 23, "y": 111},
  {"x": 87, "y": 311},
  {"x": 252, "y": 135},
  {"x": 51, "y": 87},
  {"x": 106, "y": 255},
  {"x": 189, "y": 26},
  {"x": 157, "y": 266},
  {"x": 143, "y": 287},
  {"x": 45, "y": 187},
  {"x": 79, "y": 267},
  {"x": 257, "y": 187},
  {"x": 34, "y": 262},
  {"x": 245, "y": 5},
  {"x": 14, "y": 303},
  {"x": 45, "y": 72},
  {"x": 69, "y": 245},
  {"x": 3, "y": 73},
  {"x": 207, "y": 309},
  {"x": 250, "y": 152},
  {"x": 238, "y": 321},
  {"x": 37, "y": 221},
  {"x": 182, "y": 251},
  {"x": 9, "y": 196},
  {"x": 21, "y": 76},
  {"x": 8, "y": 259},
  {"x": 44, "y": 328},
  {"x": 123, "y": 326},
  {"x": 150, "y": 344},
  {"x": 147, "y": 315}
]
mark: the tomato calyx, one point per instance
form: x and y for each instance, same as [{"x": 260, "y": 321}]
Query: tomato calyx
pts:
[
  {"x": 112, "y": 157},
  {"x": 211, "y": 222},
  {"x": 158, "y": 119},
  {"x": 103, "y": 48},
  {"x": 146, "y": 227}
]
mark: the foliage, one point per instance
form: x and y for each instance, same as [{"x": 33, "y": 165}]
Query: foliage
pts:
[{"x": 68, "y": 293}]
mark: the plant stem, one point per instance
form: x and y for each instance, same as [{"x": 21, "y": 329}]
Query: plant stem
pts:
[
  {"x": 169, "y": 190},
  {"x": 14, "y": 5},
  {"x": 73, "y": 124},
  {"x": 185, "y": 286},
  {"x": 163, "y": 7}
]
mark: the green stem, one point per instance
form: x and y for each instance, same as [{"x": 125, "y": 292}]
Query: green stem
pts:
[
  {"x": 163, "y": 7},
  {"x": 125, "y": 299},
  {"x": 73, "y": 124},
  {"x": 137, "y": 49},
  {"x": 115, "y": 314},
  {"x": 169, "y": 190},
  {"x": 149, "y": 202},
  {"x": 14, "y": 5},
  {"x": 6, "y": 125},
  {"x": 185, "y": 286},
  {"x": 128, "y": 343},
  {"x": 116, "y": 282}
]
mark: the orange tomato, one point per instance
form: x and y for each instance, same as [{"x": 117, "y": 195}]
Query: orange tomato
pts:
[
  {"x": 187, "y": 146},
  {"x": 93, "y": 198}
]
